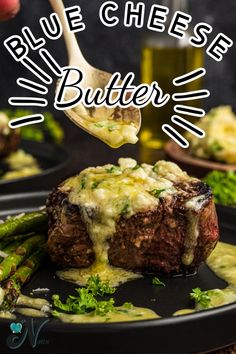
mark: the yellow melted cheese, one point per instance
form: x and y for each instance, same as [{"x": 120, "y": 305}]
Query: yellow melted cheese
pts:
[
  {"x": 114, "y": 275},
  {"x": 190, "y": 243},
  {"x": 36, "y": 303},
  {"x": 7, "y": 315},
  {"x": 106, "y": 193},
  {"x": 114, "y": 134},
  {"x": 222, "y": 261},
  {"x": 31, "y": 312},
  {"x": 119, "y": 314},
  {"x": 114, "y": 131},
  {"x": 183, "y": 312}
]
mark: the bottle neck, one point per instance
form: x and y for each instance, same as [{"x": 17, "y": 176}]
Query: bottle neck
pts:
[
  {"x": 175, "y": 5},
  {"x": 164, "y": 39}
]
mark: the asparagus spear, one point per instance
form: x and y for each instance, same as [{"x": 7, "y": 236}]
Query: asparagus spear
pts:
[
  {"x": 10, "y": 240},
  {"x": 10, "y": 248},
  {"x": 26, "y": 223},
  {"x": 12, "y": 287},
  {"x": 4, "y": 244},
  {"x": 10, "y": 263}
]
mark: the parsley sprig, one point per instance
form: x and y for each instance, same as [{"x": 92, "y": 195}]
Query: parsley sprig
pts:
[
  {"x": 157, "y": 282},
  {"x": 157, "y": 192},
  {"x": 113, "y": 169},
  {"x": 86, "y": 300},
  {"x": 201, "y": 298},
  {"x": 99, "y": 288}
]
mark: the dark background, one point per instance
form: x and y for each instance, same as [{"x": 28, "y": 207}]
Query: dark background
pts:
[
  {"x": 115, "y": 49},
  {"x": 118, "y": 48}
]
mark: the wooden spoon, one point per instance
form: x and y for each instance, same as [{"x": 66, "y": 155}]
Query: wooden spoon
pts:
[{"x": 115, "y": 126}]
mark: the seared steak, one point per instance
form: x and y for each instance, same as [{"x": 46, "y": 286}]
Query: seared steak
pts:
[{"x": 171, "y": 234}]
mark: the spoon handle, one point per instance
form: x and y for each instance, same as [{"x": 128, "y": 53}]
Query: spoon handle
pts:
[{"x": 73, "y": 50}]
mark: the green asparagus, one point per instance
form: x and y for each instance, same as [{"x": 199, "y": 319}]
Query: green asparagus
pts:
[
  {"x": 10, "y": 263},
  {"x": 4, "y": 244},
  {"x": 24, "y": 224},
  {"x": 9, "y": 240},
  {"x": 13, "y": 285},
  {"x": 10, "y": 248}
]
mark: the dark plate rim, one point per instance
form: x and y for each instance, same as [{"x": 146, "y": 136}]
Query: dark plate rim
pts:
[
  {"x": 45, "y": 172},
  {"x": 186, "y": 158},
  {"x": 58, "y": 326},
  {"x": 226, "y": 207},
  {"x": 164, "y": 321},
  {"x": 28, "y": 195}
]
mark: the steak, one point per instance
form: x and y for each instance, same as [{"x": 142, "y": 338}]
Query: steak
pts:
[
  {"x": 9, "y": 138},
  {"x": 172, "y": 236}
]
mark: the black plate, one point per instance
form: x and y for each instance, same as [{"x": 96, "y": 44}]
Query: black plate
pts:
[
  {"x": 227, "y": 216},
  {"x": 193, "y": 333},
  {"x": 52, "y": 159}
]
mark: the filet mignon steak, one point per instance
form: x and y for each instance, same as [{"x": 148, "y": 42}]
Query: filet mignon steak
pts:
[{"x": 147, "y": 218}]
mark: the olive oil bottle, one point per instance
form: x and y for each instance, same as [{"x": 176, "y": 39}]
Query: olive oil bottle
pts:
[{"x": 164, "y": 58}]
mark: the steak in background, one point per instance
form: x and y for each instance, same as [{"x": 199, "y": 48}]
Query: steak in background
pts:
[{"x": 9, "y": 138}]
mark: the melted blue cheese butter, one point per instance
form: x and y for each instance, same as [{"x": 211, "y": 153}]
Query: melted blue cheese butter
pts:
[
  {"x": 222, "y": 262},
  {"x": 119, "y": 314},
  {"x": 7, "y": 315},
  {"x": 36, "y": 303},
  {"x": 113, "y": 132},
  {"x": 106, "y": 193},
  {"x": 30, "y": 312},
  {"x": 193, "y": 206}
]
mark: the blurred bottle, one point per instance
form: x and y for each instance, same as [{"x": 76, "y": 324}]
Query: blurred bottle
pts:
[{"x": 164, "y": 58}]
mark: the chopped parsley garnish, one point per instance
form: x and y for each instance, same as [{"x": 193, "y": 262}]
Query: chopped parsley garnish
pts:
[
  {"x": 223, "y": 185},
  {"x": 98, "y": 125},
  {"x": 113, "y": 169},
  {"x": 128, "y": 305},
  {"x": 103, "y": 307},
  {"x": 125, "y": 208},
  {"x": 155, "y": 168},
  {"x": 83, "y": 183},
  {"x": 99, "y": 288},
  {"x": 136, "y": 167},
  {"x": 156, "y": 192},
  {"x": 80, "y": 304},
  {"x": 157, "y": 282},
  {"x": 95, "y": 184},
  {"x": 125, "y": 308},
  {"x": 111, "y": 128},
  {"x": 86, "y": 300},
  {"x": 200, "y": 297}
]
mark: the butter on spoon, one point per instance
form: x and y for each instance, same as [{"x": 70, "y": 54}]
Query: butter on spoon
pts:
[{"x": 114, "y": 126}]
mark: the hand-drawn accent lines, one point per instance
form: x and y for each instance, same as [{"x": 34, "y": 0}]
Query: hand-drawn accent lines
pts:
[{"x": 186, "y": 110}]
